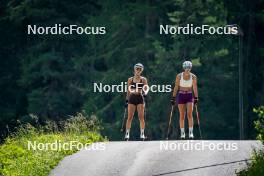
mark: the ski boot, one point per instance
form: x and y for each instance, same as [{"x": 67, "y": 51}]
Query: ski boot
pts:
[
  {"x": 191, "y": 136},
  {"x": 127, "y": 137},
  {"x": 183, "y": 135},
  {"x": 142, "y": 137}
]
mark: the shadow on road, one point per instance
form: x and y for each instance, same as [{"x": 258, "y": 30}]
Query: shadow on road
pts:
[{"x": 202, "y": 167}]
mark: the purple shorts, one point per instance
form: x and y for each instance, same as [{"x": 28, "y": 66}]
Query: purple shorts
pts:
[{"x": 184, "y": 97}]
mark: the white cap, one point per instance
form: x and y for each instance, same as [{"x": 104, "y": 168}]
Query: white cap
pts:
[
  {"x": 187, "y": 65},
  {"x": 139, "y": 65}
]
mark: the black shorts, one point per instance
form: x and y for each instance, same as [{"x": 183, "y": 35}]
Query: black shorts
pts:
[{"x": 135, "y": 99}]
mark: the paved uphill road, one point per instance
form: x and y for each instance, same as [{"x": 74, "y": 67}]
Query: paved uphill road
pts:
[{"x": 149, "y": 158}]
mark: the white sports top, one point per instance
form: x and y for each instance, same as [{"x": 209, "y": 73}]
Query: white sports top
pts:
[{"x": 186, "y": 83}]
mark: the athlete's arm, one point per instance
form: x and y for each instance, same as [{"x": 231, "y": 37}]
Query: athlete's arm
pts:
[
  {"x": 195, "y": 90},
  {"x": 176, "y": 87},
  {"x": 145, "y": 88},
  {"x": 128, "y": 88}
]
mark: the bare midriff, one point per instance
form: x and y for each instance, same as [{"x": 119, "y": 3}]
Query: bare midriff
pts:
[{"x": 185, "y": 88}]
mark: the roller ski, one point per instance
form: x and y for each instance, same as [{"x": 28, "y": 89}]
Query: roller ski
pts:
[
  {"x": 142, "y": 137},
  {"x": 127, "y": 136},
  {"x": 182, "y": 134}
]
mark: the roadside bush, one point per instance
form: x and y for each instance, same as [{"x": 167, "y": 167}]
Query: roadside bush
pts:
[{"x": 256, "y": 167}]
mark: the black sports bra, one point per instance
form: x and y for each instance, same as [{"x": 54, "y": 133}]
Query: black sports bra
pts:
[{"x": 138, "y": 85}]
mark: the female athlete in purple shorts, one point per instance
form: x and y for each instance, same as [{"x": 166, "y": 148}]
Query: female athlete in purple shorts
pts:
[{"x": 185, "y": 86}]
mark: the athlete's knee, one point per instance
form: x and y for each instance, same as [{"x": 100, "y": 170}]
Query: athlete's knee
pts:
[
  {"x": 190, "y": 116},
  {"x": 182, "y": 116},
  {"x": 141, "y": 118},
  {"x": 129, "y": 118},
  {"x": 142, "y": 121}
]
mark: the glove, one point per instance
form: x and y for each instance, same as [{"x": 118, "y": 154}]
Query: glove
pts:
[
  {"x": 195, "y": 100},
  {"x": 126, "y": 104},
  {"x": 173, "y": 101},
  {"x": 144, "y": 94}
]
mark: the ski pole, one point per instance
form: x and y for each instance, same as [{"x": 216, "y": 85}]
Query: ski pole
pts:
[
  {"x": 145, "y": 112},
  {"x": 168, "y": 131},
  {"x": 198, "y": 120},
  {"x": 123, "y": 123}
]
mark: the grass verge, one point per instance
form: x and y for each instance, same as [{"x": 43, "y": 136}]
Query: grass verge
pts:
[{"x": 18, "y": 157}]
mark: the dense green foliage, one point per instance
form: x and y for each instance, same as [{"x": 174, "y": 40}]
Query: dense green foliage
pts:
[
  {"x": 16, "y": 159},
  {"x": 52, "y": 76},
  {"x": 259, "y": 123},
  {"x": 256, "y": 168}
]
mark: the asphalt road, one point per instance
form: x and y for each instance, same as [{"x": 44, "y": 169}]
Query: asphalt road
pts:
[{"x": 149, "y": 158}]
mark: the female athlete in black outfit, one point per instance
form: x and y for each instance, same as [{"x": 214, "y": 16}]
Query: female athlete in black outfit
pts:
[{"x": 136, "y": 93}]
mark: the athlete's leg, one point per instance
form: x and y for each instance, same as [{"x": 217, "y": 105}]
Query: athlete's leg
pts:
[
  {"x": 182, "y": 109},
  {"x": 131, "y": 110},
  {"x": 189, "y": 114},
  {"x": 140, "y": 110},
  {"x": 190, "y": 118},
  {"x": 130, "y": 114}
]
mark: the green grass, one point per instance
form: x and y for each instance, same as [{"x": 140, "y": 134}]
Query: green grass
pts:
[{"x": 17, "y": 160}]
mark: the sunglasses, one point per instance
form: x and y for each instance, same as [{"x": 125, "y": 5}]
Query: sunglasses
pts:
[{"x": 138, "y": 69}]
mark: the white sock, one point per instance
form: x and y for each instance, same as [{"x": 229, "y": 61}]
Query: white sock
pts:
[
  {"x": 142, "y": 131},
  {"x": 182, "y": 130},
  {"x": 127, "y": 131},
  {"x": 190, "y": 129}
]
